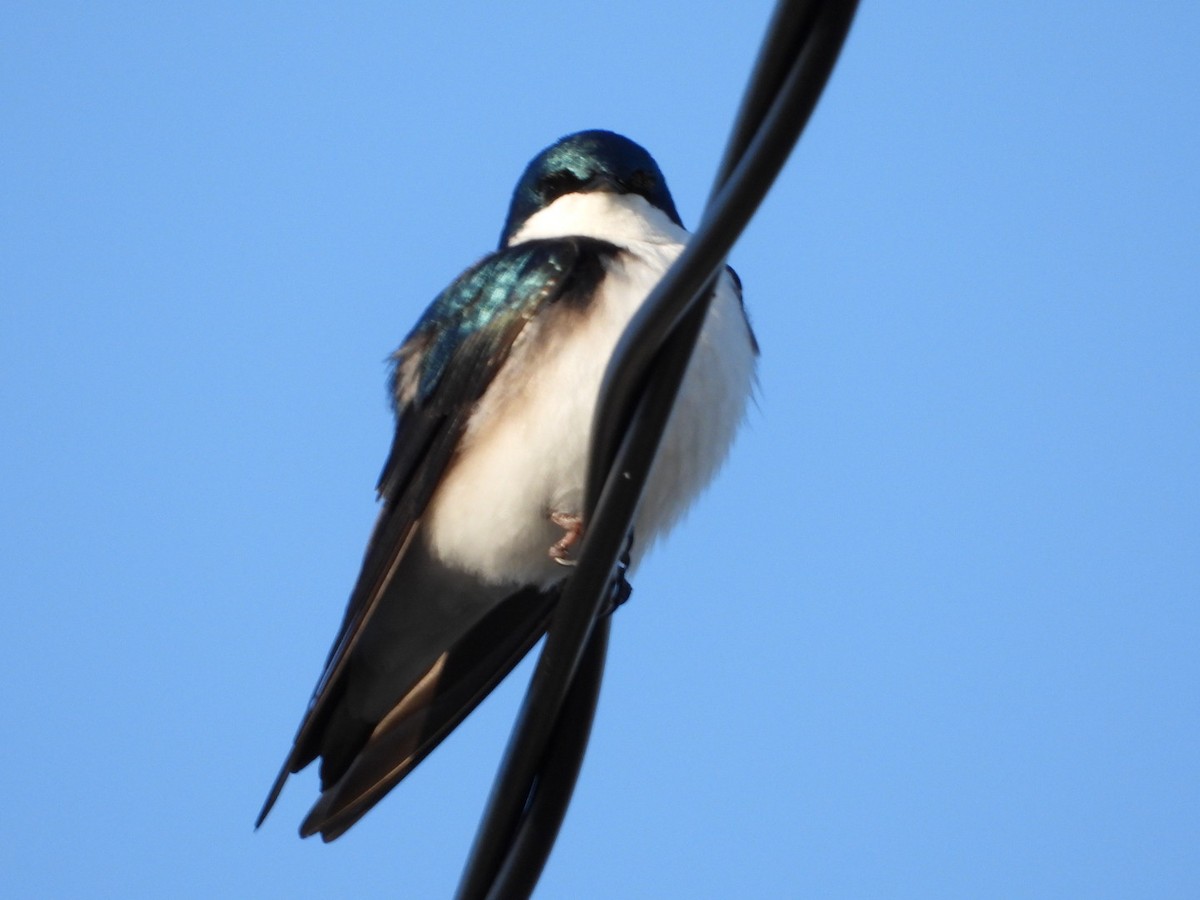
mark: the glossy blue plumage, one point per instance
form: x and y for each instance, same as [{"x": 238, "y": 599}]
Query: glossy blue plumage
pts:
[
  {"x": 501, "y": 289},
  {"x": 586, "y": 161}
]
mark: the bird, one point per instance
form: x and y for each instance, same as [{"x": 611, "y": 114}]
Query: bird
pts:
[{"x": 494, "y": 393}]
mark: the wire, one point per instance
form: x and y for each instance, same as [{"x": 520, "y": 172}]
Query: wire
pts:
[{"x": 545, "y": 752}]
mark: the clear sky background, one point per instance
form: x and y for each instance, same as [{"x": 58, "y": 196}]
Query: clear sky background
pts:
[{"x": 934, "y": 632}]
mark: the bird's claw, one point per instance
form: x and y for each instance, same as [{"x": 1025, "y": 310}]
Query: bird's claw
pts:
[{"x": 572, "y": 526}]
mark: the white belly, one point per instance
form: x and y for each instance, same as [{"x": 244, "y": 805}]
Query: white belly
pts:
[{"x": 525, "y": 452}]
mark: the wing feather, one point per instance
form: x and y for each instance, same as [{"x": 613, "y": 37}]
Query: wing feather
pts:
[{"x": 441, "y": 370}]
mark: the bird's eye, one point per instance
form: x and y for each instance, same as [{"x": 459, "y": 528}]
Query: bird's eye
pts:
[{"x": 561, "y": 182}]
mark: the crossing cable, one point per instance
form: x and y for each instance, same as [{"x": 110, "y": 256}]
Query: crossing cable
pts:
[{"x": 545, "y": 752}]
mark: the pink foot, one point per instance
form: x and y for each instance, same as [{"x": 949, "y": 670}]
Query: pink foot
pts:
[{"x": 572, "y": 525}]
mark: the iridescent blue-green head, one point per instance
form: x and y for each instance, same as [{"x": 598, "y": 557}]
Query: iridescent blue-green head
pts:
[{"x": 584, "y": 162}]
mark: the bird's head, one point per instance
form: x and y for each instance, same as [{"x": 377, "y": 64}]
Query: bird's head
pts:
[{"x": 582, "y": 163}]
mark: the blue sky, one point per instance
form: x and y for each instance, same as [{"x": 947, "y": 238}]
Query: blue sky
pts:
[{"x": 932, "y": 634}]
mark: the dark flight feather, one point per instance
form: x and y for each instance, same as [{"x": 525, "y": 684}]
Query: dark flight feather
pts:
[{"x": 441, "y": 370}]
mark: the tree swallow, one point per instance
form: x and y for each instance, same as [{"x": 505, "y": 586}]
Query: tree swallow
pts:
[{"x": 494, "y": 392}]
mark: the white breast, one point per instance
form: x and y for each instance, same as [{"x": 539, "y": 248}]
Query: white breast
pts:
[{"x": 525, "y": 450}]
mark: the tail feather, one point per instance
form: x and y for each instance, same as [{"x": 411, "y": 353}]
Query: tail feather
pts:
[{"x": 456, "y": 683}]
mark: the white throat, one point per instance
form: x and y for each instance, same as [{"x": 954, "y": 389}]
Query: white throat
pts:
[
  {"x": 619, "y": 218},
  {"x": 525, "y": 451}
]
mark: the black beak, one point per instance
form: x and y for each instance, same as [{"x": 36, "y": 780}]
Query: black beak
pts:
[{"x": 604, "y": 183}]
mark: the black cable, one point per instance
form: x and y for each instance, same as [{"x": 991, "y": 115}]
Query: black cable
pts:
[
  {"x": 785, "y": 32},
  {"x": 734, "y": 199},
  {"x": 542, "y": 760},
  {"x": 564, "y": 756}
]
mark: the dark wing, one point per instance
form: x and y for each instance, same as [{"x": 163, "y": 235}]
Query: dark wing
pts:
[
  {"x": 737, "y": 287},
  {"x": 430, "y": 710},
  {"x": 441, "y": 371}
]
